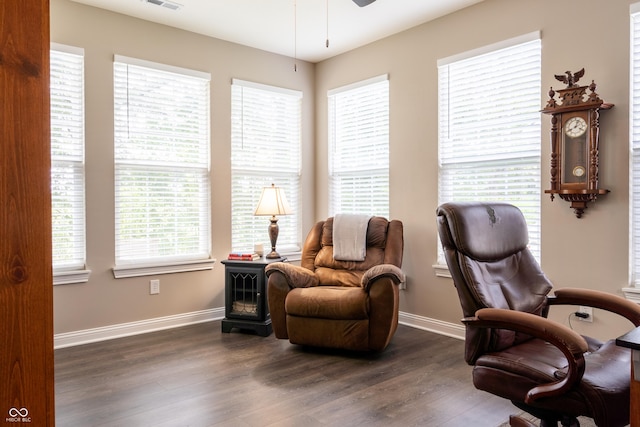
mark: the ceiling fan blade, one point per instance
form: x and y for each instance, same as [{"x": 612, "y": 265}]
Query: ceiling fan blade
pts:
[{"x": 363, "y": 3}]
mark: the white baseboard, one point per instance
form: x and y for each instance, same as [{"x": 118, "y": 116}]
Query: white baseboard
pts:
[
  {"x": 452, "y": 330},
  {"x": 86, "y": 336}
]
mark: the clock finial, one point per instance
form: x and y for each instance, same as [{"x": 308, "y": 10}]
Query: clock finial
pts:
[{"x": 570, "y": 79}]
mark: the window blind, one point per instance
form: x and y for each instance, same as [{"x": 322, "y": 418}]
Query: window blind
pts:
[
  {"x": 489, "y": 128},
  {"x": 634, "y": 138},
  {"x": 67, "y": 158},
  {"x": 265, "y": 149},
  {"x": 359, "y": 148},
  {"x": 162, "y": 188}
]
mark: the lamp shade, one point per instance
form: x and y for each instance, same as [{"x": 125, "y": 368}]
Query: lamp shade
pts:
[{"x": 273, "y": 202}]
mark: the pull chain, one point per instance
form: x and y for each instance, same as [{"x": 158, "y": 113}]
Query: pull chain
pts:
[
  {"x": 327, "y": 44},
  {"x": 295, "y": 36}
]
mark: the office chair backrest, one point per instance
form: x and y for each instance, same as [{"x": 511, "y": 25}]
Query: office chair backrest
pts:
[{"x": 485, "y": 246}]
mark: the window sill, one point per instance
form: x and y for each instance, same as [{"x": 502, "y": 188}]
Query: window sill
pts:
[
  {"x": 632, "y": 294},
  {"x": 291, "y": 256},
  {"x": 442, "y": 270},
  {"x": 70, "y": 276},
  {"x": 138, "y": 270}
]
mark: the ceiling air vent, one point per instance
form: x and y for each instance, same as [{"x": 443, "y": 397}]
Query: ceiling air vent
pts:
[{"x": 168, "y": 4}]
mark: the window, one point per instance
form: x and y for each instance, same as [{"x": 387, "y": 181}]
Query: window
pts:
[
  {"x": 359, "y": 148},
  {"x": 265, "y": 149},
  {"x": 162, "y": 188},
  {"x": 489, "y": 128},
  {"x": 634, "y": 138},
  {"x": 67, "y": 164}
]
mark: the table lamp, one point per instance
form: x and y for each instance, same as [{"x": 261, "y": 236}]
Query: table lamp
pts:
[{"x": 273, "y": 202}]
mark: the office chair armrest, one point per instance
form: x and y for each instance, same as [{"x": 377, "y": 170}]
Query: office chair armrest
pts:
[
  {"x": 570, "y": 343},
  {"x": 597, "y": 299},
  {"x": 296, "y": 276},
  {"x": 382, "y": 270}
]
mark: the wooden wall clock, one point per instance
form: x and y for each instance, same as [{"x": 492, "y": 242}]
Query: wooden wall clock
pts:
[{"x": 575, "y": 129}]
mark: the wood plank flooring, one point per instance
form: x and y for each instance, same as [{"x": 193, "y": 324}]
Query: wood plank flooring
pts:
[{"x": 198, "y": 376}]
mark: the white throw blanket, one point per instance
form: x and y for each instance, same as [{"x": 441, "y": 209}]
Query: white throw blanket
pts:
[{"x": 350, "y": 237}]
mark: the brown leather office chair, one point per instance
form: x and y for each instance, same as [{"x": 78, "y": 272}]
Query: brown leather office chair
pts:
[
  {"x": 350, "y": 305},
  {"x": 543, "y": 367}
]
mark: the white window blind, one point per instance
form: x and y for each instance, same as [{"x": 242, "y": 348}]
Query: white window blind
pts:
[
  {"x": 634, "y": 139},
  {"x": 489, "y": 128},
  {"x": 67, "y": 158},
  {"x": 162, "y": 188},
  {"x": 265, "y": 149},
  {"x": 359, "y": 148}
]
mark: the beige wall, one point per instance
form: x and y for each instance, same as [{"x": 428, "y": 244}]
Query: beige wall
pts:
[
  {"x": 105, "y": 301},
  {"x": 591, "y": 252}
]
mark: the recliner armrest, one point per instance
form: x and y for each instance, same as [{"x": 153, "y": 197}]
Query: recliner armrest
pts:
[
  {"x": 569, "y": 342},
  {"x": 597, "y": 299},
  {"x": 382, "y": 270},
  {"x": 296, "y": 276}
]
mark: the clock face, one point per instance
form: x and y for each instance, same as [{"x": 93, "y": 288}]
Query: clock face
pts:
[{"x": 575, "y": 127}]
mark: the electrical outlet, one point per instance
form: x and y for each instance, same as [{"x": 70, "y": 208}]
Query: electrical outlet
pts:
[
  {"x": 588, "y": 311},
  {"x": 154, "y": 287}
]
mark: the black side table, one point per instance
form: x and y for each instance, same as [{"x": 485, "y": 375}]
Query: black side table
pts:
[{"x": 246, "y": 296}]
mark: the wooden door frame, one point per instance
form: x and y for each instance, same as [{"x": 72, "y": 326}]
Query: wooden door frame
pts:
[{"x": 26, "y": 279}]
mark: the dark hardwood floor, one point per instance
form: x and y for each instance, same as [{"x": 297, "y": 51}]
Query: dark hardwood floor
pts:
[{"x": 198, "y": 376}]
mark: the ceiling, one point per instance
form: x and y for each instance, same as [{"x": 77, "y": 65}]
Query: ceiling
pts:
[{"x": 295, "y": 28}]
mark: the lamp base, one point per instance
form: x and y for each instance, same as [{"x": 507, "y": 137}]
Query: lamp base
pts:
[
  {"x": 273, "y": 236},
  {"x": 273, "y": 255}
]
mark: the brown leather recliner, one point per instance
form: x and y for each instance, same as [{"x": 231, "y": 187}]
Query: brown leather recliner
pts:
[
  {"x": 542, "y": 366},
  {"x": 350, "y": 305}
]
